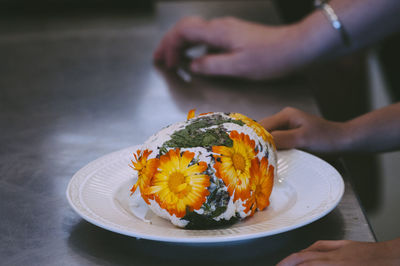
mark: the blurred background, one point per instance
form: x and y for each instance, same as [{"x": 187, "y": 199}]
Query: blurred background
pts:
[{"x": 35, "y": 35}]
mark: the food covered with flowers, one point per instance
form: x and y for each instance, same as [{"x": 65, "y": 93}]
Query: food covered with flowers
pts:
[{"x": 213, "y": 169}]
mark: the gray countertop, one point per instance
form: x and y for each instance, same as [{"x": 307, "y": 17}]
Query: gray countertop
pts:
[{"x": 75, "y": 88}]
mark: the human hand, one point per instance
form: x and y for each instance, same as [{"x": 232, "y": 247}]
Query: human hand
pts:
[
  {"x": 346, "y": 252},
  {"x": 292, "y": 128},
  {"x": 247, "y": 50}
]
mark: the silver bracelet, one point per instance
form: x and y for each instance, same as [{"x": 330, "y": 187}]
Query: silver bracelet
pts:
[{"x": 333, "y": 18}]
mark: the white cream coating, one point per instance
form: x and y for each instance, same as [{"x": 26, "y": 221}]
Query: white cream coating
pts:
[
  {"x": 164, "y": 214},
  {"x": 201, "y": 154},
  {"x": 155, "y": 141}
]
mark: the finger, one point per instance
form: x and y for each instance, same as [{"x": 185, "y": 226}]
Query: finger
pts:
[
  {"x": 301, "y": 257},
  {"x": 199, "y": 30},
  {"x": 158, "y": 53},
  {"x": 187, "y": 30},
  {"x": 217, "y": 64},
  {"x": 190, "y": 30},
  {"x": 284, "y": 119},
  {"x": 326, "y": 245},
  {"x": 287, "y": 139},
  {"x": 172, "y": 50},
  {"x": 275, "y": 122}
]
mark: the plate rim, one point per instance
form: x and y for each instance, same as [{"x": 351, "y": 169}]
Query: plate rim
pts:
[{"x": 199, "y": 239}]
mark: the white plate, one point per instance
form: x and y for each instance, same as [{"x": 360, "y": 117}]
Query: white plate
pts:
[{"x": 307, "y": 188}]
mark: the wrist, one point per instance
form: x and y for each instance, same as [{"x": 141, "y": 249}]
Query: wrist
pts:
[
  {"x": 320, "y": 40},
  {"x": 345, "y": 137},
  {"x": 294, "y": 50}
]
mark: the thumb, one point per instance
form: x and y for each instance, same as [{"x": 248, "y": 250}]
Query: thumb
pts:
[
  {"x": 216, "y": 64},
  {"x": 287, "y": 139}
]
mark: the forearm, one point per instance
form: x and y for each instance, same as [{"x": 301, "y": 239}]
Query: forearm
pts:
[
  {"x": 366, "y": 22},
  {"x": 377, "y": 131},
  {"x": 257, "y": 51}
]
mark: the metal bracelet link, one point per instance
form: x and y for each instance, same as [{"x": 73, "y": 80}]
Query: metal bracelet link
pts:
[{"x": 334, "y": 20}]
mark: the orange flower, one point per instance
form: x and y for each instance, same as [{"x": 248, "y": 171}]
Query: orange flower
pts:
[
  {"x": 262, "y": 180},
  {"x": 260, "y": 130},
  {"x": 191, "y": 114},
  {"x": 178, "y": 186},
  {"x": 233, "y": 164},
  {"x": 146, "y": 170}
]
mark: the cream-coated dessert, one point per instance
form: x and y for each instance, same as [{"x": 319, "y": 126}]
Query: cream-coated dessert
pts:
[{"x": 213, "y": 169}]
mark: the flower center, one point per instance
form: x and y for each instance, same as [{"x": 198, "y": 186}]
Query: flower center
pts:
[
  {"x": 239, "y": 162},
  {"x": 176, "y": 182}
]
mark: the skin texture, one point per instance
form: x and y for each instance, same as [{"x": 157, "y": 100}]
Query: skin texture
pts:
[
  {"x": 346, "y": 252},
  {"x": 293, "y": 128},
  {"x": 240, "y": 44},
  {"x": 256, "y": 51}
]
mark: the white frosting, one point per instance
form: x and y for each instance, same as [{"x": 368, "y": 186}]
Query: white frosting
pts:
[
  {"x": 201, "y": 154},
  {"x": 155, "y": 141},
  {"x": 164, "y": 214},
  {"x": 138, "y": 206}
]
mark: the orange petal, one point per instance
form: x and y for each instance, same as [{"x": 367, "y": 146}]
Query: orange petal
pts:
[
  {"x": 234, "y": 134},
  {"x": 205, "y": 113},
  {"x": 133, "y": 189},
  {"x": 196, "y": 168},
  {"x": 191, "y": 114},
  {"x": 186, "y": 158},
  {"x": 146, "y": 153},
  {"x": 222, "y": 150}
]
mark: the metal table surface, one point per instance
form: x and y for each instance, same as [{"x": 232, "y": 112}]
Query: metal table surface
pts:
[{"x": 75, "y": 88}]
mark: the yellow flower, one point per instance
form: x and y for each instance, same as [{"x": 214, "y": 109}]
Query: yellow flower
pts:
[
  {"x": 178, "y": 186},
  {"x": 262, "y": 180},
  {"x": 233, "y": 164},
  {"x": 146, "y": 169},
  {"x": 260, "y": 130}
]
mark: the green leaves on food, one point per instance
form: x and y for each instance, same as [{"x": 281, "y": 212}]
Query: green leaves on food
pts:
[
  {"x": 206, "y": 131},
  {"x": 197, "y": 221},
  {"x": 215, "y": 205},
  {"x": 199, "y": 134}
]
